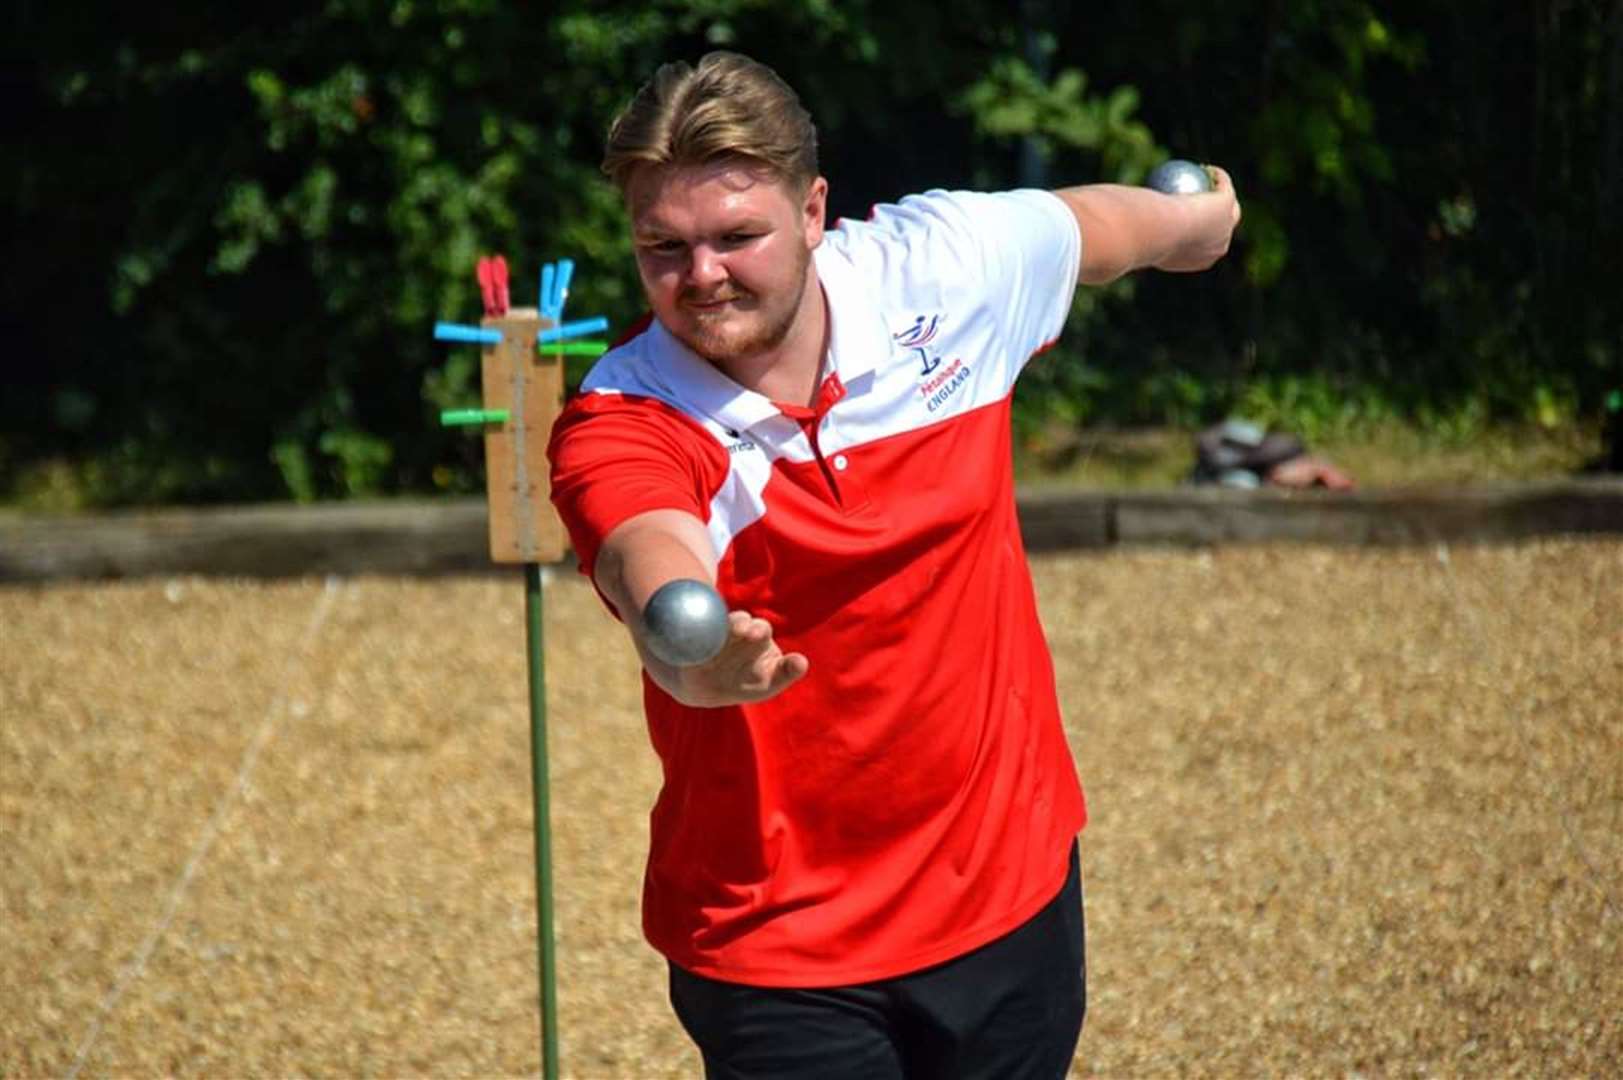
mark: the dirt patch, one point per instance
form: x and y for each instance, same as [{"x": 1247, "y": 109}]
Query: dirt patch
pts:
[{"x": 1353, "y": 811}]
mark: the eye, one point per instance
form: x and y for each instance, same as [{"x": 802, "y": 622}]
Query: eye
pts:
[
  {"x": 735, "y": 239},
  {"x": 656, "y": 244}
]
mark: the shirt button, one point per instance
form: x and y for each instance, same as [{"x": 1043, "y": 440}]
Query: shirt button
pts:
[{"x": 840, "y": 463}]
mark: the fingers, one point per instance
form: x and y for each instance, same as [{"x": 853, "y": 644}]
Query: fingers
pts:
[
  {"x": 1221, "y": 217},
  {"x": 1223, "y": 184},
  {"x": 759, "y": 666},
  {"x": 742, "y": 626},
  {"x": 788, "y": 671}
]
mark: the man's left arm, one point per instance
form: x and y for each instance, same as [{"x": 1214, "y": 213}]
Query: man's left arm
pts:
[{"x": 1129, "y": 228}]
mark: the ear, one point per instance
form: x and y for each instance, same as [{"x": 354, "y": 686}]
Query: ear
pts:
[{"x": 813, "y": 207}]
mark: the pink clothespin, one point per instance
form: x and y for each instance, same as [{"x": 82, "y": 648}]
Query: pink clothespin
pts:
[{"x": 493, "y": 284}]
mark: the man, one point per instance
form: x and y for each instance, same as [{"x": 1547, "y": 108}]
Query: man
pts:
[{"x": 863, "y": 858}]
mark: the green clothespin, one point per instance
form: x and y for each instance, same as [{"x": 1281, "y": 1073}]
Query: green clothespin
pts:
[
  {"x": 469, "y": 417},
  {"x": 572, "y": 348}
]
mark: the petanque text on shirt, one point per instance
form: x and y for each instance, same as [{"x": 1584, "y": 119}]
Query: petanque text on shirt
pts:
[{"x": 942, "y": 386}]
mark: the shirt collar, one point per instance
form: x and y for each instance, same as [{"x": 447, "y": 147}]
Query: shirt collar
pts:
[
  {"x": 704, "y": 386},
  {"x": 858, "y": 337}
]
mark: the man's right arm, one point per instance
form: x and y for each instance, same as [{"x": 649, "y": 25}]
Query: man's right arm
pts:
[{"x": 656, "y": 547}]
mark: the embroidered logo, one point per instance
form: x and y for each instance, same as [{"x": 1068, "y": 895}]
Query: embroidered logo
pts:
[
  {"x": 916, "y": 337},
  {"x": 936, "y": 386}
]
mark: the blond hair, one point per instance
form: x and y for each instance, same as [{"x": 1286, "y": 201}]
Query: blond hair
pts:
[{"x": 727, "y": 106}]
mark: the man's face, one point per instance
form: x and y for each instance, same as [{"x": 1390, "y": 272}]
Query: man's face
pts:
[{"x": 724, "y": 252}]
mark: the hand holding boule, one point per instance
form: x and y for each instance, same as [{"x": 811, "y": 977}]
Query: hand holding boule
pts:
[
  {"x": 708, "y": 657},
  {"x": 1201, "y": 227},
  {"x": 685, "y": 623}
]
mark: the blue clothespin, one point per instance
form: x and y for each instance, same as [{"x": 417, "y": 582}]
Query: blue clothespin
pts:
[
  {"x": 579, "y": 328},
  {"x": 560, "y": 295},
  {"x": 448, "y": 331},
  {"x": 555, "y": 278}
]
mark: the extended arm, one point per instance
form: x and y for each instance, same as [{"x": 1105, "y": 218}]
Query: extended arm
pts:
[
  {"x": 1128, "y": 228},
  {"x": 659, "y": 546}
]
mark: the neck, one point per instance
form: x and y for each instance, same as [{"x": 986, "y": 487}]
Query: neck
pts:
[{"x": 790, "y": 371}]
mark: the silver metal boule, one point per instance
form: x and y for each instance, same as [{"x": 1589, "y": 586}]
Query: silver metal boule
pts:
[
  {"x": 685, "y": 622},
  {"x": 1179, "y": 177}
]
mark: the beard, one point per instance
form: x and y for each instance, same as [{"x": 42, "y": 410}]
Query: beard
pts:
[{"x": 738, "y": 333}]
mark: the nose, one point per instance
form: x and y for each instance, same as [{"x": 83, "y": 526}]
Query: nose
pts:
[{"x": 706, "y": 267}]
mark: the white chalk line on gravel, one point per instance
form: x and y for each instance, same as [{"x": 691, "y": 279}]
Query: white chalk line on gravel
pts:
[{"x": 212, "y": 830}]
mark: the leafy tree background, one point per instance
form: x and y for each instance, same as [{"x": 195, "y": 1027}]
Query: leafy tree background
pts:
[{"x": 232, "y": 227}]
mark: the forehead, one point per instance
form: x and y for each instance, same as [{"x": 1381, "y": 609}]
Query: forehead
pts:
[{"x": 674, "y": 196}]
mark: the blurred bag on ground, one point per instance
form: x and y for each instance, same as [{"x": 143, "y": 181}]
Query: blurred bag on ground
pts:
[{"x": 1240, "y": 454}]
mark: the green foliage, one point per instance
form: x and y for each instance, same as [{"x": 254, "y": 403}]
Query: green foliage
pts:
[
  {"x": 360, "y": 459},
  {"x": 231, "y": 297},
  {"x": 1316, "y": 406},
  {"x": 1012, "y": 101}
]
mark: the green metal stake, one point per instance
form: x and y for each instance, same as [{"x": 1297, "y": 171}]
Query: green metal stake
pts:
[{"x": 543, "y": 820}]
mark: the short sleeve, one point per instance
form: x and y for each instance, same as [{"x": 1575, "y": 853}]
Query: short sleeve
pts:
[
  {"x": 614, "y": 456},
  {"x": 1035, "y": 247},
  {"x": 1014, "y": 255}
]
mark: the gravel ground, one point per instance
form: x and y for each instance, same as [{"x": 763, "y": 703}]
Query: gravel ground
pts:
[{"x": 1354, "y": 812}]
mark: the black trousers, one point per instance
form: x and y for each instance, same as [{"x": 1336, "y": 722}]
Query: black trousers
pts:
[{"x": 1012, "y": 1008}]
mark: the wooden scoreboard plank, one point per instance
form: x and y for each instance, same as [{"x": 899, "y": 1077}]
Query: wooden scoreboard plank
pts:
[{"x": 523, "y": 526}]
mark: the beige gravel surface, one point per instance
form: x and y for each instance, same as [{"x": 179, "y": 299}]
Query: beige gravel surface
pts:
[{"x": 1354, "y": 812}]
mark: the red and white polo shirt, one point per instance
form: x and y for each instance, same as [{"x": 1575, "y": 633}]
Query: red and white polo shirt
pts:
[{"x": 913, "y": 797}]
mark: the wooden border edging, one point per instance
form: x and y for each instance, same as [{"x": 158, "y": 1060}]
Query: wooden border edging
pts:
[
  {"x": 1209, "y": 516},
  {"x": 428, "y": 536},
  {"x": 395, "y": 537}
]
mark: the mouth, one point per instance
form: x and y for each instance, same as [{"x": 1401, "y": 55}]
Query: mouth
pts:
[{"x": 711, "y": 305}]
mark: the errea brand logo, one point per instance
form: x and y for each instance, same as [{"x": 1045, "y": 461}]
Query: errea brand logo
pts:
[{"x": 743, "y": 444}]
